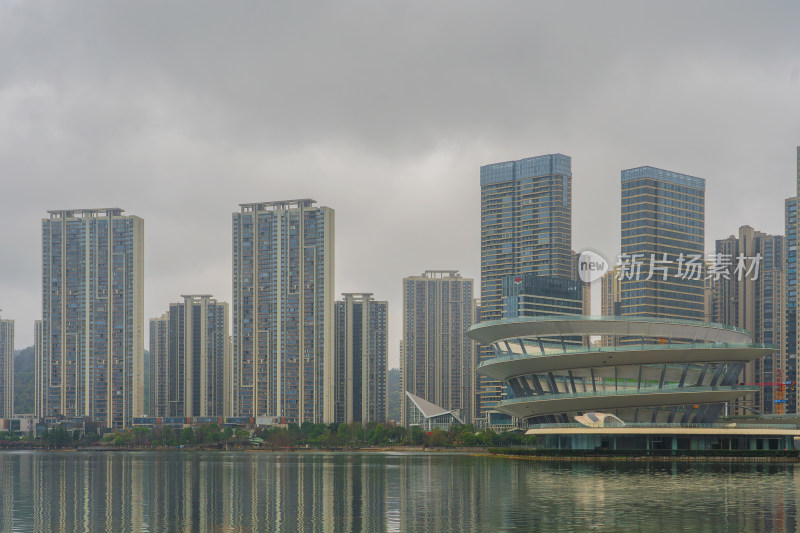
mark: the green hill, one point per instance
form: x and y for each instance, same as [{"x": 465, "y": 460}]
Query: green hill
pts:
[
  {"x": 23, "y": 380},
  {"x": 393, "y": 394}
]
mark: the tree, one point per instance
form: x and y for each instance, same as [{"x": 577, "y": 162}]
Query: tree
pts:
[
  {"x": 187, "y": 436},
  {"x": 415, "y": 435},
  {"x": 57, "y": 437},
  {"x": 486, "y": 438},
  {"x": 167, "y": 436},
  {"x": 91, "y": 437},
  {"x": 343, "y": 434},
  {"x": 378, "y": 435},
  {"x": 7, "y": 436},
  {"x": 141, "y": 436},
  {"x": 437, "y": 437},
  {"x": 468, "y": 438},
  {"x": 397, "y": 434}
]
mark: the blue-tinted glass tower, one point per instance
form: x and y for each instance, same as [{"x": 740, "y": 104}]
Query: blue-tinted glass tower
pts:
[
  {"x": 663, "y": 217},
  {"x": 526, "y": 228}
]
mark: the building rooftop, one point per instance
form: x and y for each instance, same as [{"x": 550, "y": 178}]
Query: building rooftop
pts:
[
  {"x": 86, "y": 213},
  {"x": 279, "y": 205},
  {"x": 440, "y": 274},
  {"x": 543, "y": 165},
  {"x": 663, "y": 175}
]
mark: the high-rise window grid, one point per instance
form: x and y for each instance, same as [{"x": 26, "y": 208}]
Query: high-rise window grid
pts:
[
  {"x": 283, "y": 310},
  {"x": 526, "y": 227},
  {"x": 663, "y": 216},
  {"x": 437, "y": 359},
  {"x": 91, "y": 358}
]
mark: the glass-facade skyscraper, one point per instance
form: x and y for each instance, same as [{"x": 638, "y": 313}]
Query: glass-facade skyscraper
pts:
[
  {"x": 663, "y": 219},
  {"x": 92, "y": 317},
  {"x": 283, "y": 325},
  {"x": 361, "y": 359},
  {"x": 189, "y": 359},
  {"x": 437, "y": 359},
  {"x": 526, "y": 228},
  {"x": 532, "y": 295},
  {"x": 6, "y": 368}
]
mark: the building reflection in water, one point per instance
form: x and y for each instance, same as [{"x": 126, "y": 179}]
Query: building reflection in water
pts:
[{"x": 262, "y": 491}]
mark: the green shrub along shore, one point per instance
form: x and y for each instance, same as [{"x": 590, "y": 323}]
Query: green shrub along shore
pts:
[{"x": 353, "y": 435}]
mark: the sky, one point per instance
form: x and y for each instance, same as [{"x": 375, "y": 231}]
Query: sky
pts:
[{"x": 178, "y": 112}]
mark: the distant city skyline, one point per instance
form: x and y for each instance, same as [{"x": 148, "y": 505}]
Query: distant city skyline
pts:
[
  {"x": 180, "y": 126},
  {"x": 393, "y": 363}
]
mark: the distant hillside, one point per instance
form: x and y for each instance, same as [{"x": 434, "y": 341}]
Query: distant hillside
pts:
[
  {"x": 394, "y": 395},
  {"x": 146, "y": 381},
  {"x": 23, "y": 380}
]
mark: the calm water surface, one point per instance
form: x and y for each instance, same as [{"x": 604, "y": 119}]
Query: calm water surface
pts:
[{"x": 255, "y": 491}]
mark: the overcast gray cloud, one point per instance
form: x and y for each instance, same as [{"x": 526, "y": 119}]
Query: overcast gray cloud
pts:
[{"x": 179, "y": 111}]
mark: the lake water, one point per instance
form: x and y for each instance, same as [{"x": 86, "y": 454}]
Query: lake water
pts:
[{"x": 260, "y": 491}]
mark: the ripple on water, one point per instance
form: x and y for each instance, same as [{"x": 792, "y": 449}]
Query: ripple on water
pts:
[{"x": 386, "y": 492}]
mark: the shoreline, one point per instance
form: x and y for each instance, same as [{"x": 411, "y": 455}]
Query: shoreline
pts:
[
  {"x": 472, "y": 451},
  {"x": 383, "y": 449},
  {"x": 651, "y": 458}
]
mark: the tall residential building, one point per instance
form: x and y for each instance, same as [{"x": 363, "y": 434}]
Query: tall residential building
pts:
[
  {"x": 437, "y": 359},
  {"x": 159, "y": 369},
  {"x": 38, "y": 358},
  {"x": 188, "y": 359},
  {"x": 283, "y": 275},
  {"x": 610, "y": 299},
  {"x": 6, "y": 368},
  {"x": 753, "y": 302},
  {"x": 791, "y": 339},
  {"x": 92, "y": 316},
  {"x": 610, "y": 293},
  {"x": 360, "y": 359},
  {"x": 663, "y": 220},
  {"x": 526, "y": 228}
]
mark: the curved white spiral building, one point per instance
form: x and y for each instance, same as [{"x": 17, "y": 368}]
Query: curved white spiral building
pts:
[{"x": 657, "y": 371}]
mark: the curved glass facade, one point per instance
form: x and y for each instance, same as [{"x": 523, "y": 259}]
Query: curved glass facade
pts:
[{"x": 660, "y": 380}]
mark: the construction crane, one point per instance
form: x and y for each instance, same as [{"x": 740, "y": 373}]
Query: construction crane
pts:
[{"x": 780, "y": 389}]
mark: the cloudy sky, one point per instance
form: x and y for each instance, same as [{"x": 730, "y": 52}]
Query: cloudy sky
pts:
[{"x": 180, "y": 111}]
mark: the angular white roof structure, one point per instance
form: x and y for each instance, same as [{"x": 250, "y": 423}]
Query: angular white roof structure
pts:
[{"x": 430, "y": 410}]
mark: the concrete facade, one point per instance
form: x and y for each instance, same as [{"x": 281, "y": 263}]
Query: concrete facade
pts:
[
  {"x": 6, "y": 368},
  {"x": 361, "y": 359},
  {"x": 437, "y": 358},
  {"x": 92, "y": 339},
  {"x": 283, "y": 327}
]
